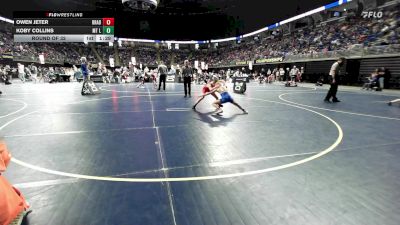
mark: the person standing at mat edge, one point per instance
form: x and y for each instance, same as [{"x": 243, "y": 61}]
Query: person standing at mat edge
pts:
[
  {"x": 187, "y": 73},
  {"x": 162, "y": 71},
  {"x": 333, "y": 80},
  {"x": 84, "y": 69}
]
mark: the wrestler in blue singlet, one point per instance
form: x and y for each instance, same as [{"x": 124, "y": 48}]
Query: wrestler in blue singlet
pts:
[
  {"x": 84, "y": 70},
  {"x": 225, "y": 97}
]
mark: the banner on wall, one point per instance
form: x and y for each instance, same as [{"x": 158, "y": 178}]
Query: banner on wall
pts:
[
  {"x": 7, "y": 56},
  {"x": 250, "y": 65},
  {"x": 41, "y": 58},
  {"x": 270, "y": 60},
  {"x": 241, "y": 63}
]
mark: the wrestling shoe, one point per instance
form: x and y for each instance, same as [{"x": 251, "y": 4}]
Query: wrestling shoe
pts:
[{"x": 218, "y": 112}]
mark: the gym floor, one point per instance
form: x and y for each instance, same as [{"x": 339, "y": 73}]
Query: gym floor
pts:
[{"x": 139, "y": 156}]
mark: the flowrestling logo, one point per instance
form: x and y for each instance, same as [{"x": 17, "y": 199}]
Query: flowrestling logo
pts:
[
  {"x": 372, "y": 14},
  {"x": 63, "y": 15}
]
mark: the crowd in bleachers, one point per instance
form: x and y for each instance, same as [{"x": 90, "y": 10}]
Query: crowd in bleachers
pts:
[
  {"x": 6, "y": 43},
  {"x": 351, "y": 32},
  {"x": 105, "y": 52},
  {"x": 143, "y": 55}
]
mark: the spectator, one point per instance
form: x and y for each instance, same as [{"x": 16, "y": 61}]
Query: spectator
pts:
[
  {"x": 371, "y": 80},
  {"x": 21, "y": 72}
]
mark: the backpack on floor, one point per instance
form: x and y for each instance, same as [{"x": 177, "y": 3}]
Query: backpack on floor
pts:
[
  {"x": 239, "y": 86},
  {"x": 89, "y": 88}
]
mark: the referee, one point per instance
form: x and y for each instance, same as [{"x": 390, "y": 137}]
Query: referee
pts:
[
  {"x": 187, "y": 73},
  {"x": 333, "y": 80},
  {"x": 162, "y": 71}
]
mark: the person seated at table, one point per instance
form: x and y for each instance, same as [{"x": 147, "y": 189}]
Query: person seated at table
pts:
[
  {"x": 117, "y": 75},
  {"x": 372, "y": 80}
]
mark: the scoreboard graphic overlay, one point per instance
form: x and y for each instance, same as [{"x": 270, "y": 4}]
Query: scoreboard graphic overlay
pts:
[{"x": 62, "y": 27}]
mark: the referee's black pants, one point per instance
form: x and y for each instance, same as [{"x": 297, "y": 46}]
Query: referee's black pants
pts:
[
  {"x": 332, "y": 90},
  {"x": 163, "y": 77},
  {"x": 187, "y": 81}
]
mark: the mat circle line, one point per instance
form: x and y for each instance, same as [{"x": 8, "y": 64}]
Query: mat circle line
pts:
[
  {"x": 196, "y": 178},
  {"x": 18, "y": 110},
  {"x": 332, "y": 110},
  {"x": 103, "y": 88}
]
